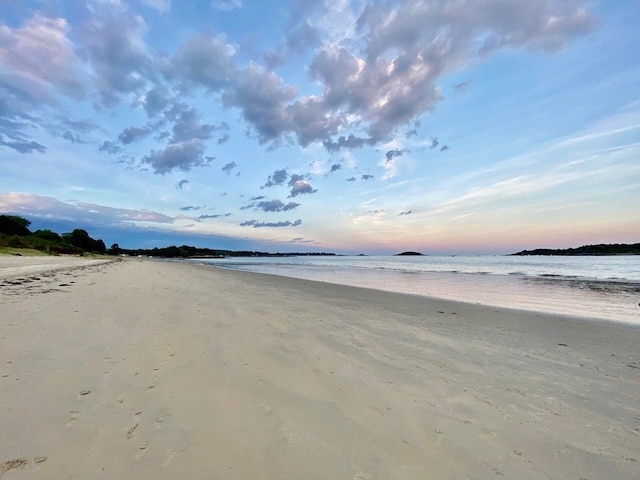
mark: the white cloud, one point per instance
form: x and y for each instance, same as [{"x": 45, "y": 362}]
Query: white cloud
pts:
[
  {"x": 39, "y": 58},
  {"x": 82, "y": 212},
  {"x": 117, "y": 53}
]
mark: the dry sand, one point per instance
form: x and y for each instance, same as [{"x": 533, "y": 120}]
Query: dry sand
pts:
[
  {"x": 18, "y": 266},
  {"x": 143, "y": 369}
]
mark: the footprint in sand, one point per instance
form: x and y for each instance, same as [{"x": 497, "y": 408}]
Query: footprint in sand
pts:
[
  {"x": 142, "y": 450},
  {"x": 74, "y": 416},
  {"x": 161, "y": 420},
  {"x": 11, "y": 464},
  {"x": 131, "y": 430}
]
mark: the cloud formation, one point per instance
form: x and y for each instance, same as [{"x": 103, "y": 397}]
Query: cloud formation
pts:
[
  {"x": 83, "y": 212},
  {"x": 132, "y": 134},
  {"x": 395, "y": 153},
  {"x": 276, "y": 178},
  {"x": 300, "y": 186},
  {"x": 376, "y": 64},
  {"x": 23, "y": 146},
  {"x": 113, "y": 43},
  {"x": 228, "y": 168},
  {"x": 37, "y": 63},
  {"x": 257, "y": 224},
  {"x": 276, "y": 206},
  {"x": 177, "y": 156},
  {"x": 110, "y": 147},
  {"x": 211, "y": 216},
  {"x": 41, "y": 59}
]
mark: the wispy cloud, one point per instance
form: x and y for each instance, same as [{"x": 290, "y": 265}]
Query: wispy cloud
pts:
[
  {"x": 257, "y": 224},
  {"x": 212, "y": 216},
  {"x": 276, "y": 206},
  {"x": 82, "y": 212}
]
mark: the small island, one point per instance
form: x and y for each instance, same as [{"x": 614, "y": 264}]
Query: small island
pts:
[
  {"x": 601, "y": 249},
  {"x": 409, "y": 254}
]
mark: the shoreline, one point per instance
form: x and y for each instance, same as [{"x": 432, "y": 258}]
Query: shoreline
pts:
[
  {"x": 484, "y": 310},
  {"x": 144, "y": 368},
  {"x": 562, "y": 297}
]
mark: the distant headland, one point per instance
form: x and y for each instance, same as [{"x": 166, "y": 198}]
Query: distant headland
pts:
[{"x": 601, "y": 249}]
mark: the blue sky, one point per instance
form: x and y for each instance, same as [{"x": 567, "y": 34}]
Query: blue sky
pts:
[{"x": 484, "y": 126}]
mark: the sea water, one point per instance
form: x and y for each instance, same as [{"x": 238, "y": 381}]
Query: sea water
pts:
[{"x": 596, "y": 287}]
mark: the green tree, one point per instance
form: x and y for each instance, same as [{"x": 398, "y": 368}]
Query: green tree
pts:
[
  {"x": 14, "y": 225},
  {"x": 98, "y": 246},
  {"x": 47, "y": 235},
  {"x": 80, "y": 238},
  {"x": 16, "y": 242}
]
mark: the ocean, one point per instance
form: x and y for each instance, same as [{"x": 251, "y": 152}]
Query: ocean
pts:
[{"x": 599, "y": 288}]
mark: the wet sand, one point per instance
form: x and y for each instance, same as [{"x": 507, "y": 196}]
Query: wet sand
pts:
[{"x": 148, "y": 369}]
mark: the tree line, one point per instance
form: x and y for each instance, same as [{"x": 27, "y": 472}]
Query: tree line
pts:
[
  {"x": 186, "y": 251},
  {"x": 601, "y": 249},
  {"x": 15, "y": 233}
]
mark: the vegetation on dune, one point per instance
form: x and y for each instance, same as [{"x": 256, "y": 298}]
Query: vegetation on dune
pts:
[
  {"x": 15, "y": 234},
  {"x": 23, "y": 252}
]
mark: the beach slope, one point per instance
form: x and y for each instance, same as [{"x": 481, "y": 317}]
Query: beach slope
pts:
[{"x": 150, "y": 369}]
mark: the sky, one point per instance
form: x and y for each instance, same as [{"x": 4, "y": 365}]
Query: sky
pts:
[{"x": 346, "y": 126}]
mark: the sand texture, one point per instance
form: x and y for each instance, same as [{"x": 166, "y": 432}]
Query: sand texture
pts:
[
  {"x": 140, "y": 369},
  {"x": 17, "y": 266}
]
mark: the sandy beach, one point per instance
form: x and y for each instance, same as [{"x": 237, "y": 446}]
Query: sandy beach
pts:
[{"x": 145, "y": 369}]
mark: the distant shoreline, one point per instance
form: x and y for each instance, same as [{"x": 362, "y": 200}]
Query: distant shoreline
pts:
[{"x": 587, "y": 250}]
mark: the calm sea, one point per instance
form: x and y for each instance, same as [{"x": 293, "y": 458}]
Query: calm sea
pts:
[{"x": 606, "y": 288}]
